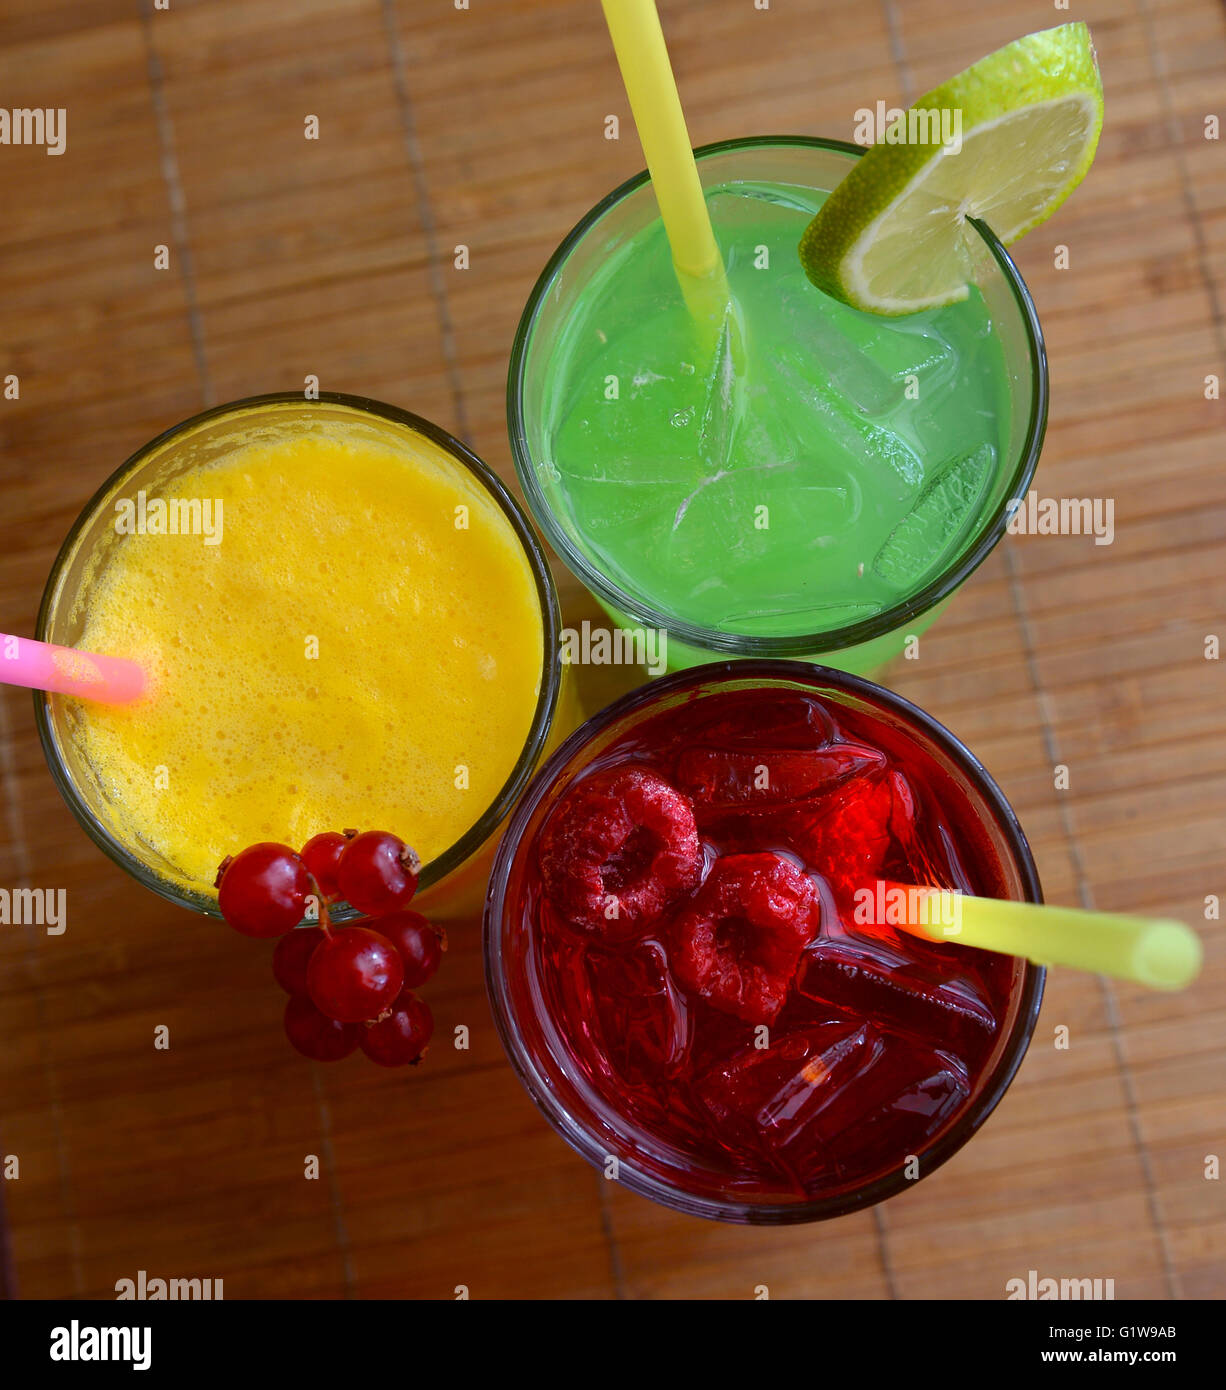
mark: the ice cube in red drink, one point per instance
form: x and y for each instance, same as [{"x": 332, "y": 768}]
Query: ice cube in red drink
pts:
[
  {"x": 821, "y": 1095},
  {"x": 769, "y": 1099},
  {"x": 928, "y": 998},
  {"x": 643, "y": 1018},
  {"x": 723, "y": 779},
  {"x": 896, "y": 1102}
]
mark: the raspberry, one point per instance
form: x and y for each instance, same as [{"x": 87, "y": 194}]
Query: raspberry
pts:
[
  {"x": 739, "y": 941},
  {"x": 846, "y": 840},
  {"x": 618, "y": 850}
]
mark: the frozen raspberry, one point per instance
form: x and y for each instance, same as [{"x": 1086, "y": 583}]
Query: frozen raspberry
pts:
[
  {"x": 619, "y": 849},
  {"x": 846, "y": 839},
  {"x": 739, "y": 941},
  {"x": 725, "y": 779}
]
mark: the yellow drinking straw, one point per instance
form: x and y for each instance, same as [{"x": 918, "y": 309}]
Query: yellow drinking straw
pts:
[
  {"x": 638, "y": 40},
  {"x": 1157, "y": 952}
]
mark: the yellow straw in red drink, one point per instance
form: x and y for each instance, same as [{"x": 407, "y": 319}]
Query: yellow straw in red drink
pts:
[{"x": 1157, "y": 952}]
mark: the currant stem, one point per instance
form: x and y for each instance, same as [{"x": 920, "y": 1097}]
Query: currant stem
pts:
[{"x": 325, "y": 922}]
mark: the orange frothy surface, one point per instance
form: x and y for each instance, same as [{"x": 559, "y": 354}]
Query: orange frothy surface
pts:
[{"x": 364, "y": 647}]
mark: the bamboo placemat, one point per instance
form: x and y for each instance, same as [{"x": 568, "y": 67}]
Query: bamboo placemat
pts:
[{"x": 485, "y": 127}]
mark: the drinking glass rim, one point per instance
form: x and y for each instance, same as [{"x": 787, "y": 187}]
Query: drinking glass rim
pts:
[
  {"x": 551, "y": 676},
  {"x": 574, "y": 1132},
  {"x": 835, "y": 639}
]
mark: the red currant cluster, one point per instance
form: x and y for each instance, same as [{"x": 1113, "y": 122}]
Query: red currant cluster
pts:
[{"x": 348, "y": 987}]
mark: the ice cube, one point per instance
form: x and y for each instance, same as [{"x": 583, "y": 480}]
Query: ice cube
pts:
[
  {"x": 723, "y": 779},
  {"x": 772, "y": 1098},
  {"x": 868, "y": 360},
  {"x": 720, "y": 516},
  {"x": 910, "y": 988},
  {"x": 852, "y": 372},
  {"x": 788, "y": 719},
  {"x": 941, "y": 512},
  {"x": 895, "y": 1104},
  {"x": 724, "y": 405},
  {"x": 873, "y": 446},
  {"x": 644, "y": 1022},
  {"x": 834, "y": 1096},
  {"x": 627, "y": 491}
]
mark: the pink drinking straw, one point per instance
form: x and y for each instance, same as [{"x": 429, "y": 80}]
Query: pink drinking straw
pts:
[{"x": 111, "y": 680}]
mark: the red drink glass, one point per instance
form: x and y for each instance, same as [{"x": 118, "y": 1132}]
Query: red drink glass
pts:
[{"x": 724, "y": 1023}]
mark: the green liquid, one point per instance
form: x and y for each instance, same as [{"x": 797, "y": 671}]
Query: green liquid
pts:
[{"x": 813, "y": 474}]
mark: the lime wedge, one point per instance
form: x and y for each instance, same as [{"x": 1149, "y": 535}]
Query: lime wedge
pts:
[{"x": 893, "y": 237}]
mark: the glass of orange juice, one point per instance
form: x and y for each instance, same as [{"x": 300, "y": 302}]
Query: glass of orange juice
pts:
[{"x": 346, "y": 621}]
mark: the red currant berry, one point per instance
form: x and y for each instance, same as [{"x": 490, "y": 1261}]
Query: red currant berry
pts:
[
  {"x": 321, "y": 854},
  {"x": 378, "y": 873},
  {"x": 354, "y": 975},
  {"x": 262, "y": 891},
  {"x": 402, "y": 1036},
  {"x": 291, "y": 956},
  {"x": 319, "y": 1038},
  {"x": 421, "y": 946}
]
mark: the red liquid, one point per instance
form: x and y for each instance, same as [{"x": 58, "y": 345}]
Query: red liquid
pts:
[{"x": 882, "y": 1039}]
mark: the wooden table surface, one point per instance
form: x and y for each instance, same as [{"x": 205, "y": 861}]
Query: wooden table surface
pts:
[{"x": 335, "y": 257}]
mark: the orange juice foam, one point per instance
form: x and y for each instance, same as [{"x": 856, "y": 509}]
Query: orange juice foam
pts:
[{"x": 364, "y": 647}]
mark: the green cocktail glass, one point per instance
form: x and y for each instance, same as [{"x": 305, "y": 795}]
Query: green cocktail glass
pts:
[{"x": 809, "y": 481}]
